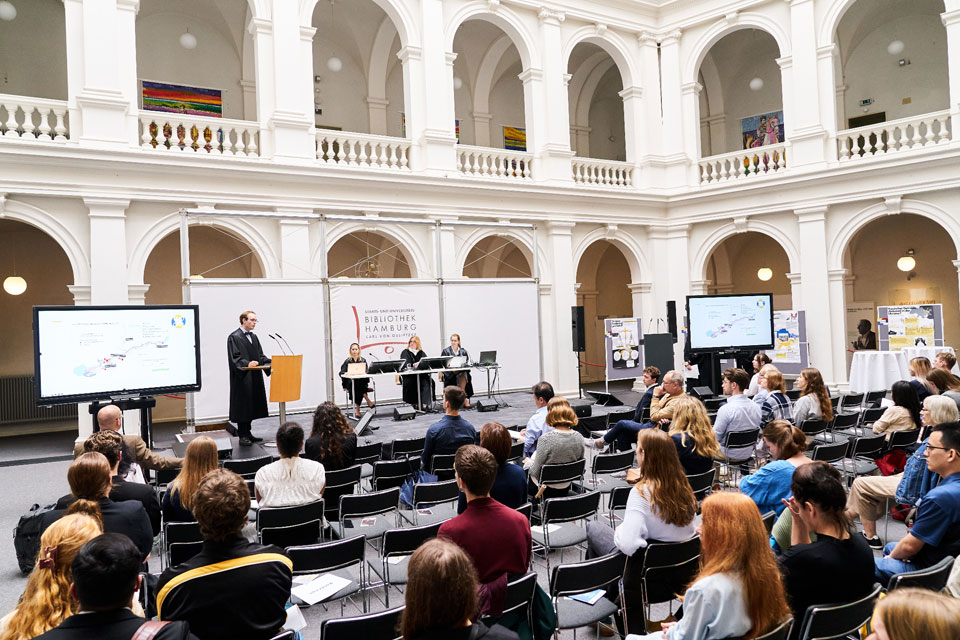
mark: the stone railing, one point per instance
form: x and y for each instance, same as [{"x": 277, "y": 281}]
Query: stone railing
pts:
[
  {"x": 33, "y": 118},
  {"x": 743, "y": 164},
  {"x": 897, "y": 135},
  {"x": 486, "y": 162},
  {"x": 180, "y": 132},
  {"x": 604, "y": 173},
  {"x": 362, "y": 150}
]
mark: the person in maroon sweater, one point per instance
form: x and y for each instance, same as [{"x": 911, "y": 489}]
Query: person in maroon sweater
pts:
[{"x": 496, "y": 537}]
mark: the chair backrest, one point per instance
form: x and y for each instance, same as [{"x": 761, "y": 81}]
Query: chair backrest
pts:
[
  {"x": 933, "y": 578},
  {"x": 520, "y": 593},
  {"x": 616, "y": 416},
  {"x": 812, "y": 428},
  {"x": 829, "y": 452},
  {"x": 570, "y": 508},
  {"x": 326, "y": 556},
  {"x": 780, "y": 632},
  {"x": 442, "y": 462},
  {"x": 371, "y": 626},
  {"x": 768, "y": 519},
  {"x": 903, "y": 439},
  {"x": 405, "y": 541},
  {"x": 516, "y": 452},
  {"x": 793, "y": 394},
  {"x": 392, "y": 473},
  {"x": 289, "y": 526},
  {"x": 851, "y": 401},
  {"x": 868, "y": 445},
  {"x": 591, "y": 423},
  {"x": 165, "y": 476},
  {"x": 560, "y": 473},
  {"x": 408, "y": 447},
  {"x": 869, "y": 416},
  {"x": 181, "y": 532},
  {"x": 247, "y": 467},
  {"x": 180, "y": 552},
  {"x": 645, "y": 415},
  {"x": 845, "y": 420},
  {"x": 713, "y": 404},
  {"x": 701, "y": 483},
  {"x": 612, "y": 462},
  {"x": 618, "y": 498},
  {"x": 526, "y": 509},
  {"x": 834, "y": 402},
  {"x": 369, "y": 504},
  {"x": 740, "y": 439},
  {"x": 367, "y": 453},
  {"x": 435, "y": 492},
  {"x": 668, "y": 567},
  {"x": 339, "y": 483},
  {"x": 580, "y": 577},
  {"x": 834, "y": 620},
  {"x": 873, "y": 398}
]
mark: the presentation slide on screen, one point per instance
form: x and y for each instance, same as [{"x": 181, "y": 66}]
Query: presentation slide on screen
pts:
[
  {"x": 730, "y": 321},
  {"x": 96, "y": 351}
]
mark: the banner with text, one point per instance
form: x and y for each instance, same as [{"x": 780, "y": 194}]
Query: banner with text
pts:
[
  {"x": 789, "y": 353},
  {"x": 919, "y": 325},
  {"x": 623, "y": 340}
]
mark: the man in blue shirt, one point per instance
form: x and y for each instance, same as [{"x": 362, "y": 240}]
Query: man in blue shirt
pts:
[
  {"x": 738, "y": 414},
  {"x": 536, "y": 425},
  {"x": 936, "y": 532},
  {"x": 451, "y": 432}
]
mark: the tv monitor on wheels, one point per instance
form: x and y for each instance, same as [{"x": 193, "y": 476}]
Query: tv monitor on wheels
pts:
[
  {"x": 97, "y": 352},
  {"x": 730, "y": 322}
]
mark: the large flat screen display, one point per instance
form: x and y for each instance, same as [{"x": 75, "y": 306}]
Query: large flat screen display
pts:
[
  {"x": 739, "y": 321},
  {"x": 92, "y": 353}
]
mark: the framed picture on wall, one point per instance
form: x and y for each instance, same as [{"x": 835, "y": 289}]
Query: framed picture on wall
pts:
[
  {"x": 178, "y": 98},
  {"x": 763, "y": 129},
  {"x": 515, "y": 138}
]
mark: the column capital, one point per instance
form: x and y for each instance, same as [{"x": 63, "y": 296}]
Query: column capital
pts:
[
  {"x": 691, "y": 87},
  {"x": 530, "y": 75},
  {"x": 566, "y": 79},
  {"x": 956, "y": 264},
  {"x": 894, "y": 204},
  {"x": 482, "y": 117},
  {"x": 794, "y": 278},
  {"x": 811, "y": 214},
  {"x": 106, "y": 207},
  {"x": 410, "y": 53},
  {"x": 545, "y": 288},
  {"x": 670, "y": 38},
  {"x": 551, "y": 17},
  {"x": 640, "y": 287},
  {"x": 950, "y": 18},
  {"x": 828, "y": 50},
  {"x": 450, "y": 57},
  {"x": 137, "y": 293},
  {"x": 307, "y": 33},
  {"x": 836, "y": 275},
  {"x": 129, "y": 5},
  {"x": 699, "y": 286},
  {"x": 647, "y": 39},
  {"x": 260, "y": 27},
  {"x": 560, "y": 228},
  {"x": 377, "y": 102},
  {"x": 80, "y": 293},
  {"x": 631, "y": 92},
  {"x": 785, "y": 62}
]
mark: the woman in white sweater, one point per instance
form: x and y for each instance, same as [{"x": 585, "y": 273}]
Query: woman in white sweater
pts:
[{"x": 814, "y": 401}]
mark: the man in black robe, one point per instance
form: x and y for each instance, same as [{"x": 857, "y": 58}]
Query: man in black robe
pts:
[{"x": 248, "y": 397}]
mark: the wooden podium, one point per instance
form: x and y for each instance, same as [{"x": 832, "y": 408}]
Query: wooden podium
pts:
[{"x": 285, "y": 381}]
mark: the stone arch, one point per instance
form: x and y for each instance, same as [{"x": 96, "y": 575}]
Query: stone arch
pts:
[
  {"x": 698, "y": 270},
  {"x": 589, "y": 88},
  {"x": 396, "y": 10},
  {"x": 523, "y": 242},
  {"x": 409, "y": 245},
  {"x": 831, "y": 20},
  {"x": 711, "y": 86},
  {"x": 170, "y": 223},
  {"x": 49, "y": 224},
  {"x": 722, "y": 28},
  {"x": 841, "y": 239},
  {"x": 504, "y": 18},
  {"x": 612, "y": 44},
  {"x": 485, "y": 73},
  {"x": 629, "y": 247},
  {"x": 380, "y": 59}
]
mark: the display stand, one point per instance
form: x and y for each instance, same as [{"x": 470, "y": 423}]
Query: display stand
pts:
[{"x": 285, "y": 381}]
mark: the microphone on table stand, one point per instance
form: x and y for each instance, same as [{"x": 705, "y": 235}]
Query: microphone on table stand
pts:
[
  {"x": 286, "y": 343},
  {"x": 278, "y": 343}
]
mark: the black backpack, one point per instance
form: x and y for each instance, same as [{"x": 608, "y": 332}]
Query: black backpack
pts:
[{"x": 26, "y": 536}]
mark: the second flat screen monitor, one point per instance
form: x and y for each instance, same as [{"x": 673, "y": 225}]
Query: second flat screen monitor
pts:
[{"x": 740, "y": 321}]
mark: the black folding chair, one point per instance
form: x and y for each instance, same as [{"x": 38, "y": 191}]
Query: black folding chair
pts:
[
  {"x": 701, "y": 483},
  {"x": 713, "y": 404},
  {"x": 663, "y": 572},
  {"x": 607, "y": 469},
  {"x": 616, "y": 416},
  {"x": 903, "y": 439},
  {"x": 247, "y": 467},
  {"x": 768, "y": 520},
  {"x": 366, "y": 514},
  {"x": 519, "y": 597},
  {"x": 526, "y": 509},
  {"x": 342, "y": 558},
  {"x": 813, "y": 429},
  {"x": 874, "y": 398},
  {"x": 397, "y": 547},
  {"x": 573, "y": 579},
  {"x": 592, "y": 427},
  {"x": 441, "y": 465},
  {"x": 860, "y": 456},
  {"x": 339, "y": 483},
  {"x": 617, "y": 502},
  {"x": 740, "y": 444},
  {"x": 780, "y": 632},
  {"x": 564, "y": 512},
  {"x": 850, "y": 403},
  {"x": 373, "y": 626},
  {"x": 410, "y": 447},
  {"x": 821, "y": 622},
  {"x": 290, "y": 526},
  {"x": 365, "y": 455},
  {"x": 433, "y": 502},
  {"x": 516, "y": 452},
  {"x": 829, "y": 453},
  {"x": 842, "y": 428},
  {"x": 933, "y": 578},
  {"x": 392, "y": 473},
  {"x": 180, "y": 542}
]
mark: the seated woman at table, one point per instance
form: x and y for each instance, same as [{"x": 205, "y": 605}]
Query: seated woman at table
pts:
[
  {"x": 417, "y": 389},
  {"x": 905, "y": 412},
  {"x": 946, "y": 383},
  {"x": 920, "y": 368},
  {"x": 356, "y": 388},
  {"x": 460, "y": 379}
]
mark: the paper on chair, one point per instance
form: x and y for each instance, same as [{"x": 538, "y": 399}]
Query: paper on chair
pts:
[
  {"x": 322, "y": 587},
  {"x": 295, "y": 620},
  {"x": 550, "y": 528},
  {"x": 590, "y": 597}
]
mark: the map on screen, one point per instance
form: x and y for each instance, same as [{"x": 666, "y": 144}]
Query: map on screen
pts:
[
  {"x": 730, "y": 322},
  {"x": 100, "y": 352}
]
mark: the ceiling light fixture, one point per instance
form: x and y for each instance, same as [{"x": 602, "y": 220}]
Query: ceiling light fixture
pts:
[
  {"x": 188, "y": 40},
  {"x": 764, "y": 273},
  {"x": 907, "y": 262},
  {"x": 7, "y": 11},
  {"x": 14, "y": 285},
  {"x": 756, "y": 84},
  {"x": 334, "y": 63},
  {"x": 896, "y": 47}
]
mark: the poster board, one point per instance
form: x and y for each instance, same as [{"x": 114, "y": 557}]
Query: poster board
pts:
[
  {"x": 919, "y": 325},
  {"x": 790, "y": 353},
  {"x": 623, "y": 341},
  {"x": 294, "y": 308}
]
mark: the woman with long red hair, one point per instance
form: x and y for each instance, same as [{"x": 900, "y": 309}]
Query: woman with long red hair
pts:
[{"x": 738, "y": 593}]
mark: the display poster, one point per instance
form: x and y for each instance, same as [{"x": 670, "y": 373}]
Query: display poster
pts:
[
  {"x": 855, "y": 312},
  {"x": 786, "y": 333},
  {"x": 623, "y": 339},
  {"x": 910, "y": 326}
]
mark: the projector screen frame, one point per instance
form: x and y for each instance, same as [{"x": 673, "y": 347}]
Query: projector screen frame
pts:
[
  {"x": 732, "y": 348},
  {"x": 114, "y": 394}
]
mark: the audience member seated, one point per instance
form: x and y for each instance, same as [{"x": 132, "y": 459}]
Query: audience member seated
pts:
[
  {"x": 332, "y": 442},
  {"x": 838, "y": 566},
  {"x": 936, "y": 531},
  {"x": 651, "y": 375},
  {"x": 536, "y": 425},
  {"x": 201, "y": 459},
  {"x": 110, "y": 417},
  {"x": 110, "y": 444},
  {"x": 946, "y": 383},
  {"x": 738, "y": 591},
  {"x": 105, "y": 579},
  {"x": 291, "y": 480},
  {"x": 89, "y": 478},
  {"x": 770, "y": 484},
  {"x": 905, "y": 412},
  {"x": 662, "y": 401},
  {"x": 755, "y": 388},
  {"x": 693, "y": 436},
  {"x": 661, "y": 507},
  {"x": 46, "y": 601},
  {"x": 775, "y": 404},
  {"x": 738, "y": 414},
  {"x": 496, "y": 537},
  {"x": 946, "y": 361},
  {"x": 919, "y": 369},
  {"x": 911, "y": 614},
  {"x": 814, "y": 401},
  {"x": 232, "y": 588},
  {"x": 869, "y": 494},
  {"x": 559, "y": 446},
  {"x": 449, "y": 433},
  {"x": 441, "y": 597},
  {"x": 510, "y": 485}
]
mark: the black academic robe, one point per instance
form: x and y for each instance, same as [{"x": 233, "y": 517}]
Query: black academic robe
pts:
[
  {"x": 248, "y": 396},
  {"x": 362, "y": 385},
  {"x": 450, "y": 379},
  {"x": 410, "y": 382}
]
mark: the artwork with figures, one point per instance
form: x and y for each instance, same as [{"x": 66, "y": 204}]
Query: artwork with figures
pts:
[{"x": 761, "y": 130}]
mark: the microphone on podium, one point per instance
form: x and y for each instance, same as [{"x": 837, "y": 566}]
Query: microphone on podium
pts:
[
  {"x": 278, "y": 343},
  {"x": 371, "y": 354},
  {"x": 286, "y": 343}
]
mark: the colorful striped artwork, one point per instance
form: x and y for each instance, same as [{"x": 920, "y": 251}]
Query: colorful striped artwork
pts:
[
  {"x": 174, "y": 98},
  {"x": 515, "y": 138}
]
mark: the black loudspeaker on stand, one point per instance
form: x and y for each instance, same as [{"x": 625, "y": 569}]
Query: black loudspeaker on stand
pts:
[
  {"x": 484, "y": 406},
  {"x": 404, "y": 413},
  {"x": 578, "y": 331},
  {"x": 672, "y": 318}
]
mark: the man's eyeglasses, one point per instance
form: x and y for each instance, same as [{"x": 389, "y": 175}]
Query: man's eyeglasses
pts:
[{"x": 933, "y": 446}]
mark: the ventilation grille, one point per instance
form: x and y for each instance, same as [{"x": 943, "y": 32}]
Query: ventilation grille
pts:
[{"x": 17, "y": 404}]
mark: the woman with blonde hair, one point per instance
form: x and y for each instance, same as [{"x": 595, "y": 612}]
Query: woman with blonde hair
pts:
[
  {"x": 201, "y": 458},
  {"x": 417, "y": 389},
  {"x": 775, "y": 404},
  {"x": 814, "y": 401},
  {"x": 356, "y": 388},
  {"x": 905, "y": 614},
  {"x": 919, "y": 369},
  {"x": 738, "y": 592},
  {"x": 559, "y": 446},
  {"x": 693, "y": 436},
  {"x": 46, "y": 602}
]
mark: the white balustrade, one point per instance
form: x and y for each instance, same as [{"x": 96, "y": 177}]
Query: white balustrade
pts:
[
  {"x": 202, "y": 134},
  {"x": 33, "y": 118},
  {"x": 362, "y": 150},
  {"x": 605, "y": 173},
  {"x": 744, "y": 164},
  {"x": 880, "y": 139},
  {"x": 494, "y": 163}
]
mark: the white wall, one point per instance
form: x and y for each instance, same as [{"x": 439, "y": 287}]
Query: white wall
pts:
[{"x": 33, "y": 51}]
